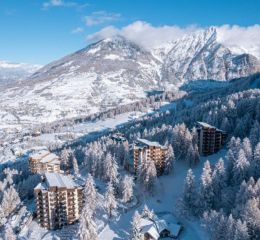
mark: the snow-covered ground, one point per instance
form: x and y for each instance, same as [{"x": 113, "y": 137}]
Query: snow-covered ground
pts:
[
  {"x": 12, "y": 144},
  {"x": 169, "y": 190},
  {"x": 165, "y": 200}
]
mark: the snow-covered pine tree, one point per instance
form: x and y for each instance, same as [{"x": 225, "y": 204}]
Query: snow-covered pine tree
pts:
[
  {"x": 10, "y": 200},
  {"x": 110, "y": 200},
  {"x": 240, "y": 168},
  {"x": 255, "y": 166},
  {"x": 169, "y": 161},
  {"x": 251, "y": 215},
  {"x": 87, "y": 227},
  {"x": 65, "y": 158},
  {"x": 135, "y": 235},
  {"x": 205, "y": 190},
  {"x": 245, "y": 192},
  {"x": 110, "y": 169},
  {"x": 189, "y": 197},
  {"x": 147, "y": 213},
  {"x": 142, "y": 168},
  {"x": 230, "y": 227},
  {"x": 255, "y": 133},
  {"x": 218, "y": 182},
  {"x": 246, "y": 145},
  {"x": 2, "y": 217},
  {"x": 75, "y": 166},
  {"x": 241, "y": 231},
  {"x": 215, "y": 224},
  {"x": 127, "y": 188},
  {"x": 150, "y": 175},
  {"x": 90, "y": 194}
]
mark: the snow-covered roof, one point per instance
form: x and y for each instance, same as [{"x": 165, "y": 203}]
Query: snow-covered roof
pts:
[
  {"x": 156, "y": 225},
  {"x": 206, "y": 125},
  {"x": 151, "y": 230},
  {"x": 59, "y": 180},
  {"x": 161, "y": 225},
  {"x": 174, "y": 229},
  {"x": 39, "y": 155},
  {"x": 148, "y": 143},
  {"x": 49, "y": 158}
]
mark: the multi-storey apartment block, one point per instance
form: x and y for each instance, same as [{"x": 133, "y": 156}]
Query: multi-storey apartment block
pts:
[
  {"x": 58, "y": 201},
  {"x": 144, "y": 149},
  {"x": 210, "y": 139},
  {"x": 44, "y": 161}
]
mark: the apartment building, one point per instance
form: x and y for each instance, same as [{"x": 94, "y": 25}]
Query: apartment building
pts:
[
  {"x": 210, "y": 138},
  {"x": 59, "y": 201},
  {"x": 144, "y": 149},
  {"x": 44, "y": 161}
]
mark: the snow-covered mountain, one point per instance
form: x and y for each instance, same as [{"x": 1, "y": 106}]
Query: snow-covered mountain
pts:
[
  {"x": 11, "y": 73},
  {"x": 103, "y": 75},
  {"x": 117, "y": 71},
  {"x": 201, "y": 56}
]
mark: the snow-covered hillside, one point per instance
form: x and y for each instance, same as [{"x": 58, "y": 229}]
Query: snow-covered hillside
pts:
[
  {"x": 11, "y": 73},
  {"x": 116, "y": 71}
]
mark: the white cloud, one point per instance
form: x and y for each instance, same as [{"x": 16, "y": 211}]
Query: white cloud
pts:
[
  {"x": 144, "y": 33},
  {"x": 59, "y": 3},
  {"x": 239, "y": 39},
  {"x": 77, "y": 30},
  {"x": 100, "y": 17}
]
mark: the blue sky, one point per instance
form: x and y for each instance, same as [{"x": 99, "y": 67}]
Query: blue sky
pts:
[{"x": 40, "y": 31}]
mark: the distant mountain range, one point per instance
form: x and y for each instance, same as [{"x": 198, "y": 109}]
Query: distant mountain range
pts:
[
  {"x": 117, "y": 71},
  {"x": 11, "y": 73}
]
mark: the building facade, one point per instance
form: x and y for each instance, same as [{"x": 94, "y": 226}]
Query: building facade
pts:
[
  {"x": 59, "y": 201},
  {"x": 210, "y": 139},
  {"x": 144, "y": 149},
  {"x": 44, "y": 161}
]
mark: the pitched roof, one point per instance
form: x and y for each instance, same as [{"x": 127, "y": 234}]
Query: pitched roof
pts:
[
  {"x": 156, "y": 225},
  {"x": 151, "y": 230}
]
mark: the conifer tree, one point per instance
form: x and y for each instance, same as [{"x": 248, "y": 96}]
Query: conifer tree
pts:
[
  {"x": 75, "y": 166},
  {"x": 128, "y": 184},
  {"x": 169, "y": 162},
  {"x": 90, "y": 194},
  {"x": 110, "y": 201},
  {"x": 135, "y": 235},
  {"x": 206, "y": 190},
  {"x": 189, "y": 197},
  {"x": 87, "y": 227}
]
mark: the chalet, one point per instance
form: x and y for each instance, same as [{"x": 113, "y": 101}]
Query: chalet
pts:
[
  {"x": 154, "y": 229},
  {"x": 210, "y": 138},
  {"x": 145, "y": 149},
  {"x": 58, "y": 201},
  {"x": 44, "y": 161}
]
